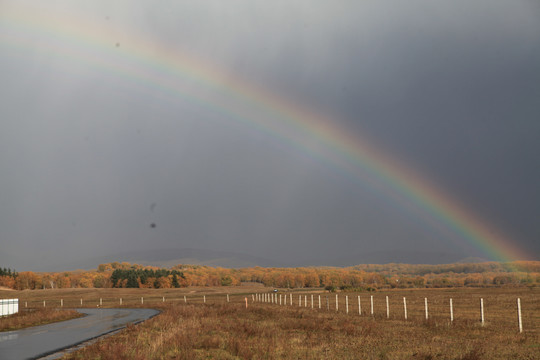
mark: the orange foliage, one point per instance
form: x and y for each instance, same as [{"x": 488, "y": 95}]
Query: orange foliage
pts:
[
  {"x": 523, "y": 273},
  {"x": 7, "y": 281}
]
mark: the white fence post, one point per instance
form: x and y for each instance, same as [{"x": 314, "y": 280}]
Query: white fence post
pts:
[
  {"x": 387, "y": 308},
  {"x": 371, "y": 304},
  {"x": 164, "y": 299},
  {"x": 279, "y": 299},
  {"x": 405, "y": 307},
  {"x": 359, "y": 306},
  {"x": 120, "y": 301},
  {"x": 43, "y": 303},
  {"x": 81, "y": 301},
  {"x": 142, "y": 300},
  {"x": 299, "y": 300},
  {"x": 482, "y": 309},
  {"x": 204, "y": 298},
  {"x": 61, "y": 302},
  {"x": 185, "y": 299},
  {"x": 319, "y": 301},
  {"x": 227, "y": 297},
  {"x": 347, "y": 304},
  {"x": 519, "y": 315},
  {"x": 290, "y": 298},
  {"x": 305, "y": 300},
  {"x": 285, "y": 299},
  {"x": 337, "y": 303},
  {"x": 100, "y": 301},
  {"x": 426, "y": 308},
  {"x": 451, "y": 311},
  {"x": 312, "y": 301}
]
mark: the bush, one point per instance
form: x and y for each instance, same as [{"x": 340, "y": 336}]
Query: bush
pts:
[{"x": 330, "y": 288}]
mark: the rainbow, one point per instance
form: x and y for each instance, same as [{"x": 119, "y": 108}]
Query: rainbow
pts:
[{"x": 170, "y": 73}]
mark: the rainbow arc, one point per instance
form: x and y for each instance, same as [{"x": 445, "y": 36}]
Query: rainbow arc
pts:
[{"x": 158, "y": 67}]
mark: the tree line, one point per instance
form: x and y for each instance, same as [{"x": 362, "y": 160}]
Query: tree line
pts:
[
  {"x": 137, "y": 278},
  {"x": 7, "y": 278},
  {"x": 361, "y": 277},
  {"x": 8, "y": 272}
]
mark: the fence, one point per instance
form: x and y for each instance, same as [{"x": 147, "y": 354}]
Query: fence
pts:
[
  {"x": 464, "y": 309},
  {"x": 9, "y": 306}
]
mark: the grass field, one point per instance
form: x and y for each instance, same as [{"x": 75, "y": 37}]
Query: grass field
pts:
[
  {"x": 35, "y": 317},
  {"x": 227, "y": 330}
]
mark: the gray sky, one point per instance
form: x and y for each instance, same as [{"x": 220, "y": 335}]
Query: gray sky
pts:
[{"x": 90, "y": 157}]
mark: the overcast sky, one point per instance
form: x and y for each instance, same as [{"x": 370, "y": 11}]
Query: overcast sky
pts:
[{"x": 91, "y": 157}]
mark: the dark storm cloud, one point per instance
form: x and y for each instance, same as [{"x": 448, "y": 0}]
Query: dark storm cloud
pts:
[{"x": 89, "y": 161}]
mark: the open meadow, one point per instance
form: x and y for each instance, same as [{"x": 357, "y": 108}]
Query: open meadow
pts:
[
  {"x": 36, "y": 317},
  {"x": 190, "y": 328}
]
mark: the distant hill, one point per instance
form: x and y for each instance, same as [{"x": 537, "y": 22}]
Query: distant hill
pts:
[
  {"x": 392, "y": 256},
  {"x": 170, "y": 257},
  {"x": 472, "y": 260}
]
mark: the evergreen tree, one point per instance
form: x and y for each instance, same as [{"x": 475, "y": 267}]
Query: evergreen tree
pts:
[
  {"x": 132, "y": 280},
  {"x": 175, "y": 283},
  {"x": 115, "y": 276},
  {"x": 143, "y": 276}
]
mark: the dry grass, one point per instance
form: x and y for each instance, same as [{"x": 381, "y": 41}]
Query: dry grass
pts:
[
  {"x": 130, "y": 297},
  {"x": 222, "y": 330},
  {"x": 35, "y": 317},
  {"x": 267, "y": 332}
]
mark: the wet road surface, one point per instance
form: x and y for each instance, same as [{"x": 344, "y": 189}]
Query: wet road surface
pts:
[{"x": 38, "y": 341}]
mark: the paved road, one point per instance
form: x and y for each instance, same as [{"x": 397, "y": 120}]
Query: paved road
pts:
[{"x": 35, "y": 342}]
